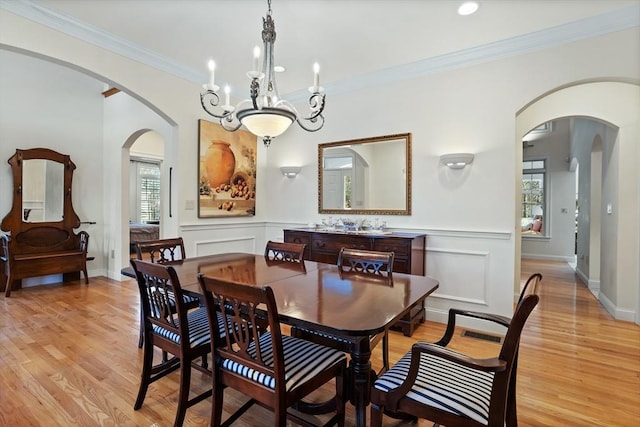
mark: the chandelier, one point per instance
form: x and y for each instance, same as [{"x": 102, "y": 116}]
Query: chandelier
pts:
[{"x": 265, "y": 114}]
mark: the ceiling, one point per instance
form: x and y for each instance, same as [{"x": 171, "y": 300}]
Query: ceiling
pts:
[{"x": 356, "y": 42}]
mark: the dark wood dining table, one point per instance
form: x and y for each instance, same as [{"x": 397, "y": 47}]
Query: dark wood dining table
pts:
[{"x": 319, "y": 297}]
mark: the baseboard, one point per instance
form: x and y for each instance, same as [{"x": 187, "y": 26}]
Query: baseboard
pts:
[
  {"x": 548, "y": 257},
  {"x": 617, "y": 313},
  {"x": 592, "y": 285}
]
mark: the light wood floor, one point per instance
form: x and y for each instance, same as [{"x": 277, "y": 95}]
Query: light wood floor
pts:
[{"x": 68, "y": 356}]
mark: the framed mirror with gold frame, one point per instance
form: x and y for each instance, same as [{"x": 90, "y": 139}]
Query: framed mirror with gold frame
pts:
[{"x": 365, "y": 176}]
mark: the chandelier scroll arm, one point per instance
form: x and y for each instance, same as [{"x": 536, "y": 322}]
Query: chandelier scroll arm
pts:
[
  {"x": 227, "y": 119},
  {"x": 212, "y": 98},
  {"x": 315, "y": 121}
]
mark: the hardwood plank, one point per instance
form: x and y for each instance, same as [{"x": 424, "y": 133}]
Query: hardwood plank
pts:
[{"x": 69, "y": 357}]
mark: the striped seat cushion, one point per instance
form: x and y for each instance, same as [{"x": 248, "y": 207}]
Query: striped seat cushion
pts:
[
  {"x": 198, "y": 328},
  {"x": 188, "y": 299},
  {"x": 325, "y": 335},
  {"x": 445, "y": 385},
  {"x": 303, "y": 360}
]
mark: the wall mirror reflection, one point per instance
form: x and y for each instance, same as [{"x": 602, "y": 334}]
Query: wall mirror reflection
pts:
[
  {"x": 365, "y": 176},
  {"x": 42, "y": 190}
]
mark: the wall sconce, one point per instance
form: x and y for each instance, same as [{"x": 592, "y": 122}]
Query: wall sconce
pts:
[
  {"x": 290, "y": 171},
  {"x": 456, "y": 160}
]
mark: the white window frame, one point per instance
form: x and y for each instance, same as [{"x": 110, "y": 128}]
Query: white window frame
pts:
[{"x": 544, "y": 171}]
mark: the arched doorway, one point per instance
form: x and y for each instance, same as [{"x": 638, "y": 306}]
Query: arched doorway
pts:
[
  {"x": 146, "y": 155},
  {"x": 617, "y": 103}
]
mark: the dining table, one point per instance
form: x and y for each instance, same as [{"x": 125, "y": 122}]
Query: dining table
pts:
[{"x": 320, "y": 297}]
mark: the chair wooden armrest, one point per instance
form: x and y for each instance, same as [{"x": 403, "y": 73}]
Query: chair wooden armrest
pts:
[
  {"x": 451, "y": 323},
  {"x": 492, "y": 364},
  {"x": 530, "y": 287}
]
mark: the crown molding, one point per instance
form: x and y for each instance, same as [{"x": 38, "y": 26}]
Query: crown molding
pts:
[
  {"x": 617, "y": 20},
  {"x": 37, "y": 12}
]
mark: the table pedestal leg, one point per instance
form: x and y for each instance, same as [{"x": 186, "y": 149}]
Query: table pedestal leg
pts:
[{"x": 360, "y": 367}]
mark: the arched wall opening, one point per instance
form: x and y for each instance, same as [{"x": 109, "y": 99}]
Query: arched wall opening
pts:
[
  {"x": 126, "y": 115},
  {"x": 616, "y": 103}
]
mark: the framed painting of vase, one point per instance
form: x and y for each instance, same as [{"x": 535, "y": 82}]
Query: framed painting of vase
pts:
[{"x": 226, "y": 171}]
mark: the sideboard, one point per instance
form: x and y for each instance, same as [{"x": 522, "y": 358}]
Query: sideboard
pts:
[{"x": 409, "y": 250}]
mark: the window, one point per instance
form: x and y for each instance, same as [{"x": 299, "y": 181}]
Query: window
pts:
[
  {"x": 533, "y": 196},
  {"x": 347, "y": 192},
  {"x": 147, "y": 190}
]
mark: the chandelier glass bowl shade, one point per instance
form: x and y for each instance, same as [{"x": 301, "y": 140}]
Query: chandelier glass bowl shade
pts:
[{"x": 265, "y": 114}]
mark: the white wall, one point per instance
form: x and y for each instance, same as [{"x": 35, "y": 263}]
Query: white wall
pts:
[
  {"x": 469, "y": 214},
  {"x": 50, "y": 106}
]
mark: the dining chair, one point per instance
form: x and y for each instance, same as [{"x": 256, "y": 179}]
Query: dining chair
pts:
[
  {"x": 449, "y": 388},
  {"x": 376, "y": 265},
  {"x": 279, "y": 251},
  {"x": 164, "y": 251},
  {"x": 171, "y": 327},
  {"x": 254, "y": 358},
  {"x": 161, "y": 251},
  {"x": 362, "y": 261}
]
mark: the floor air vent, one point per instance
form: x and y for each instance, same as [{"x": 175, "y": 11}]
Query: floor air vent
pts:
[{"x": 482, "y": 336}]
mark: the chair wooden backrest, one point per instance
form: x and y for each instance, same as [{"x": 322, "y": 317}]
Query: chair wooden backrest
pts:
[
  {"x": 162, "y": 251},
  {"x": 530, "y": 286},
  {"x": 249, "y": 311},
  {"x": 361, "y": 261},
  {"x": 279, "y": 251},
  {"x": 161, "y": 297}
]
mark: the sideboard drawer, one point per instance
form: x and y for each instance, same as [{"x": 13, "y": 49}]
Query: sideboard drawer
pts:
[
  {"x": 401, "y": 248},
  {"x": 333, "y": 243},
  {"x": 299, "y": 237}
]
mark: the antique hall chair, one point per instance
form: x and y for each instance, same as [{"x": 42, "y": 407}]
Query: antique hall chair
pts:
[
  {"x": 278, "y": 251},
  {"x": 272, "y": 369},
  {"x": 164, "y": 251},
  {"x": 449, "y": 388},
  {"x": 170, "y": 326}
]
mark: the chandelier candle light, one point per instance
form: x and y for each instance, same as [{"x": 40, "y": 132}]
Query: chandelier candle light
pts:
[{"x": 265, "y": 114}]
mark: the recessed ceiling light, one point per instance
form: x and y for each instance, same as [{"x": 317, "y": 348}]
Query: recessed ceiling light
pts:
[
  {"x": 279, "y": 69},
  {"x": 467, "y": 8}
]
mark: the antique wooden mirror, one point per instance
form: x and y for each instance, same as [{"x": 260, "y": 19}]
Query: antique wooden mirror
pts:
[
  {"x": 42, "y": 191},
  {"x": 40, "y": 239},
  {"x": 365, "y": 176}
]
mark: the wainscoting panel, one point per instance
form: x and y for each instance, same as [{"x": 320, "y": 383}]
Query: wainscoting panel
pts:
[
  {"x": 209, "y": 239},
  {"x": 463, "y": 275},
  {"x": 237, "y": 244}
]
